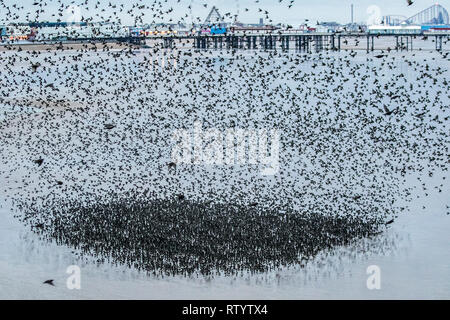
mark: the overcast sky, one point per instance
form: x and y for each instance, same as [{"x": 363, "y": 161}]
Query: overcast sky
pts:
[{"x": 314, "y": 10}]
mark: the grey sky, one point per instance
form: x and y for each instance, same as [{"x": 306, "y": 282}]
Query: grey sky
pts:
[{"x": 314, "y": 10}]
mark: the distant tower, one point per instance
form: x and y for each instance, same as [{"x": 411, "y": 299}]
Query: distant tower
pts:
[
  {"x": 352, "y": 14},
  {"x": 261, "y": 21}
]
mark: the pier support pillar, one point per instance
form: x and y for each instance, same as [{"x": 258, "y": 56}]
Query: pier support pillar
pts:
[{"x": 438, "y": 43}]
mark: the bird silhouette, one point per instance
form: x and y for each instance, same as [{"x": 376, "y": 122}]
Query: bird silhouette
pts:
[{"x": 49, "y": 282}]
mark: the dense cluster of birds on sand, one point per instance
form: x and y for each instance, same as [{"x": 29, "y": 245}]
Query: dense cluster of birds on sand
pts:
[{"x": 87, "y": 160}]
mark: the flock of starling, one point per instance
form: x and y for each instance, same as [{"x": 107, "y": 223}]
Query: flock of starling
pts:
[{"x": 86, "y": 150}]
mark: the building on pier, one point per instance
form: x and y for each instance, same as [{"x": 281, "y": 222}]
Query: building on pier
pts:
[
  {"x": 330, "y": 27},
  {"x": 252, "y": 30},
  {"x": 402, "y": 29}
]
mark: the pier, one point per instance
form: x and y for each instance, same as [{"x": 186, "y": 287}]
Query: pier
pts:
[
  {"x": 301, "y": 42},
  {"x": 304, "y": 42}
]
